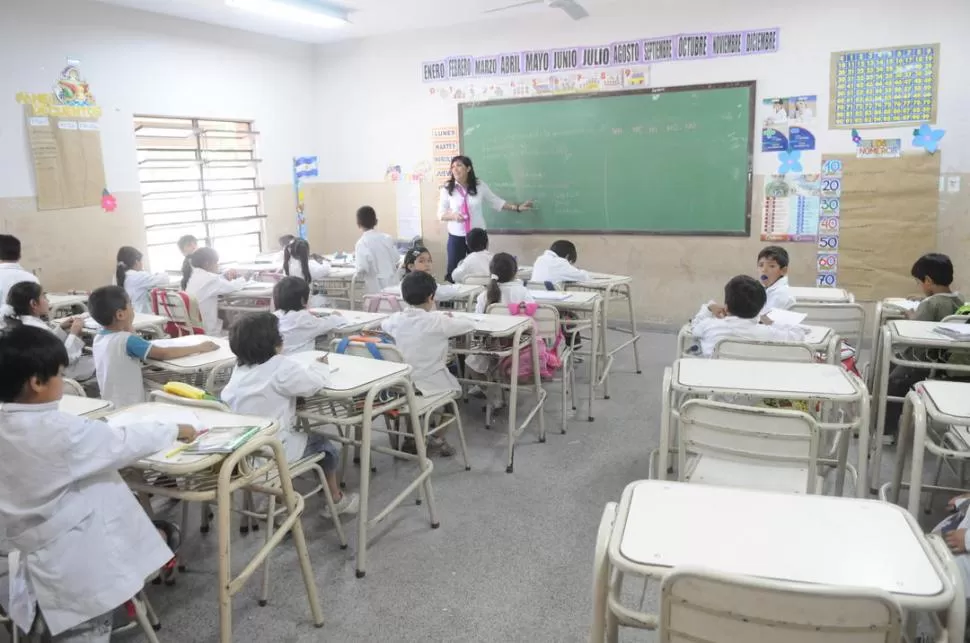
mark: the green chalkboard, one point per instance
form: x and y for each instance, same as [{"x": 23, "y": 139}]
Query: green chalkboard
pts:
[{"x": 673, "y": 160}]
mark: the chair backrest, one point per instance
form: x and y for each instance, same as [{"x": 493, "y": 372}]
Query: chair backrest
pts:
[
  {"x": 73, "y": 387},
  {"x": 748, "y": 435},
  {"x": 388, "y": 352},
  {"x": 702, "y": 605},
  {"x": 847, "y": 320},
  {"x": 219, "y": 376},
  {"x": 956, "y": 319},
  {"x": 180, "y": 308},
  {"x": 477, "y": 281},
  {"x": 375, "y": 302},
  {"x": 546, "y": 319},
  {"x": 158, "y": 395},
  {"x": 763, "y": 351}
]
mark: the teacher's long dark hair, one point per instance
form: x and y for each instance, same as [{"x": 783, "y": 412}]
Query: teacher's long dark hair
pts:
[{"x": 472, "y": 179}]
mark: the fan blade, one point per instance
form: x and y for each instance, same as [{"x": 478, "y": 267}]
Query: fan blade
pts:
[
  {"x": 513, "y": 6},
  {"x": 575, "y": 11}
]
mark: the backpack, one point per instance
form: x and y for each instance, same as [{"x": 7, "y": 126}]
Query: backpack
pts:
[{"x": 549, "y": 360}]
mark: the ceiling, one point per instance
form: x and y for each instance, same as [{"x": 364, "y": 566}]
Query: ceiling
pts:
[{"x": 369, "y": 17}]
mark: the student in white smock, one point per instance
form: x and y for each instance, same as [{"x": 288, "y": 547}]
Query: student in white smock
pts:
[
  {"x": 477, "y": 262},
  {"x": 137, "y": 283},
  {"x": 376, "y": 257},
  {"x": 299, "y": 327},
  {"x": 11, "y": 272},
  {"x": 207, "y": 285}
]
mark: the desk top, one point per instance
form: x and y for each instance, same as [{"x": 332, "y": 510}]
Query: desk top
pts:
[
  {"x": 446, "y": 292},
  {"x": 268, "y": 265},
  {"x": 142, "y": 321},
  {"x": 353, "y": 319},
  {"x": 498, "y": 325},
  {"x": 82, "y": 406},
  {"x": 349, "y": 373},
  {"x": 197, "y": 361},
  {"x": 820, "y": 295},
  {"x": 775, "y": 378},
  {"x": 600, "y": 280},
  {"x": 817, "y": 335},
  {"x": 62, "y": 300},
  {"x": 340, "y": 273},
  {"x": 951, "y": 398},
  {"x": 801, "y": 538},
  {"x": 921, "y": 333},
  {"x": 565, "y": 299}
]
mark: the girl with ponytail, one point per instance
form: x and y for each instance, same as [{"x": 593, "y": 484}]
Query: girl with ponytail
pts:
[
  {"x": 503, "y": 288},
  {"x": 130, "y": 275}
]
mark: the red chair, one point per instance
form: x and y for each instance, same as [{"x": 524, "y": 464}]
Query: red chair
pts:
[{"x": 181, "y": 310}]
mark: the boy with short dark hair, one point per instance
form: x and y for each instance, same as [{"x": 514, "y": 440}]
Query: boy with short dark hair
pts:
[
  {"x": 555, "y": 265},
  {"x": 299, "y": 327},
  {"x": 119, "y": 352},
  {"x": 476, "y": 263},
  {"x": 773, "y": 272},
  {"x": 79, "y": 543},
  {"x": 375, "y": 256},
  {"x": 11, "y": 272},
  {"x": 744, "y": 300}
]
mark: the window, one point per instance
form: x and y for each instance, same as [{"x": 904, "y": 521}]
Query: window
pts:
[{"x": 199, "y": 177}]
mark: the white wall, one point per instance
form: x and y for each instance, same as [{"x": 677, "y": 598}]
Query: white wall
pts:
[
  {"x": 375, "y": 109},
  {"x": 144, "y": 63}
]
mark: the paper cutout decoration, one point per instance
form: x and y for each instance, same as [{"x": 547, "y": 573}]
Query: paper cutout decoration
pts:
[
  {"x": 856, "y": 138},
  {"x": 392, "y": 173},
  {"x": 928, "y": 138},
  {"x": 71, "y": 89},
  {"x": 790, "y": 162},
  {"x": 108, "y": 202}
]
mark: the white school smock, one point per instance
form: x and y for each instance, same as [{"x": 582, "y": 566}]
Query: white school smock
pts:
[
  {"x": 80, "y": 543},
  {"x": 206, "y": 287},
  {"x": 422, "y": 338},
  {"x": 81, "y": 366},
  {"x": 512, "y": 292},
  {"x": 779, "y": 296},
  {"x": 453, "y": 202},
  {"x": 270, "y": 389},
  {"x": 118, "y": 357},
  {"x": 300, "y": 329},
  {"x": 555, "y": 269},
  {"x": 138, "y": 285},
  {"x": 376, "y": 259},
  {"x": 11, "y": 274},
  {"x": 444, "y": 292},
  {"x": 476, "y": 264},
  {"x": 708, "y": 330},
  {"x": 318, "y": 269}
]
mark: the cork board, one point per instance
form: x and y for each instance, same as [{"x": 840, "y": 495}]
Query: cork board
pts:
[
  {"x": 67, "y": 160},
  {"x": 888, "y": 219}
]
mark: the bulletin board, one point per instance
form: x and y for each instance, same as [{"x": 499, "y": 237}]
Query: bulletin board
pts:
[
  {"x": 68, "y": 165},
  {"x": 888, "y": 219}
]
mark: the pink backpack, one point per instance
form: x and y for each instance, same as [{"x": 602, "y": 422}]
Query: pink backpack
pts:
[{"x": 549, "y": 361}]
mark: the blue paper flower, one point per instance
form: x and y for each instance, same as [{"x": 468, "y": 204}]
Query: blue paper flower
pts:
[
  {"x": 928, "y": 138},
  {"x": 790, "y": 162}
]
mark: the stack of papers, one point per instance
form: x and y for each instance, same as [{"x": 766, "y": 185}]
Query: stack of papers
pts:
[
  {"x": 786, "y": 317},
  {"x": 954, "y": 330},
  {"x": 549, "y": 295}
]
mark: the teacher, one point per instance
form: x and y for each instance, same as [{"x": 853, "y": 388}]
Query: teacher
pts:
[{"x": 460, "y": 204}]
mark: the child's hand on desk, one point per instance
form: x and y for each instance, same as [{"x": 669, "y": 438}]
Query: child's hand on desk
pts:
[
  {"x": 956, "y": 541},
  {"x": 718, "y": 310},
  {"x": 324, "y": 359},
  {"x": 952, "y": 505},
  {"x": 187, "y": 433},
  {"x": 230, "y": 274},
  {"x": 207, "y": 347},
  {"x": 766, "y": 320}
]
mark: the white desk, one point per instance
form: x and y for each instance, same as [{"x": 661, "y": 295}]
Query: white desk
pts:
[
  {"x": 350, "y": 402},
  {"x": 213, "y": 479},
  {"x": 143, "y": 323},
  {"x": 192, "y": 369},
  {"x": 813, "y": 539},
  {"x": 805, "y": 295},
  {"x": 820, "y": 339},
  {"x": 354, "y": 320},
  {"x": 788, "y": 380},
  {"x": 613, "y": 288},
  {"x": 340, "y": 285},
  {"x": 253, "y": 267},
  {"x": 65, "y": 302},
  {"x": 464, "y": 294},
  {"x": 90, "y": 407},
  {"x": 895, "y": 338},
  {"x": 518, "y": 330}
]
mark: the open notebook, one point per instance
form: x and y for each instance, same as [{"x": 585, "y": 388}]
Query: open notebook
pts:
[{"x": 217, "y": 439}]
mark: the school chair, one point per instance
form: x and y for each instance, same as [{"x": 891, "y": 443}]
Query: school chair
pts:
[
  {"x": 180, "y": 308},
  {"x": 547, "y": 324},
  {"x": 73, "y": 387},
  {"x": 704, "y": 605},
  {"x": 428, "y": 405},
  {"x": 848, "y": 321},
  {"x": 376, "y": 302},
  {"x": 219, "y": 376},
  {"x": 763, "y": 351},
  {"x": 477, "y": 281},
  {"x": 601, "y": 573}
]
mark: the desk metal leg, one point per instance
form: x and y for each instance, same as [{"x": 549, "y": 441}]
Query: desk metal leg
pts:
[
  {"x": 863, "y": 462},
  {"x": 882, "y": 388},
  {"x": 594, "y": 358},
  {"x": 902, "y": 450},
  {"x": 513, "y": 399},
  {"x": 663, "y": 450},
  {"x": 634, "y": 337},
  {"x": 915, "y": 410}
]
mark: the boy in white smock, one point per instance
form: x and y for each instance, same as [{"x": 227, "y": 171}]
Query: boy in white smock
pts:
[
  {"x": 478, "y": 259},
  {"x": 79, "y": 543},
  {"x": 299, "y": 327},
  {"x": 375, "y": 256}
]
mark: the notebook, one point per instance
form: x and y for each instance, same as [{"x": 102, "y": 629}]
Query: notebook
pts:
[
  {"x": 786, "y": 317},
  {"x": 549, "y": 295},
  {"x": 954, "y": 331},
  {"x": 221, "y": 440}
]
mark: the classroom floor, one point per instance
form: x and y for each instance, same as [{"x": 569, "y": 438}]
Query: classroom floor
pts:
[{"x": 511, "y": 561}]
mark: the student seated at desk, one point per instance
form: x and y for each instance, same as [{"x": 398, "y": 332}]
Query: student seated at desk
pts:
[
  {"x": 119, "y": 352},
  {"x": 298, "y": 261},
  {"x": 422, "y": 333},
  {"x": 267, "y": 383},
  {"x": 555, "y": 265},
  {"x": 953, "y": 529},
  {"x": 28, "y": 306},
  {"x": 934, "y": 272},
  {"x": 744, "y": 300},
  {"x": 11, "y": 272},
  {"x": 375, "y": 255},
  {"x": 298, "y": 326},
  {"x": 137, "y": 283},
  {"x": 418, "y": 259},
  {"x": 773, "y": 272},
  {"x": 80, "y": 543},
  {"x": 478, "y": 259},
  {"x": 503, "y": 288},
  {"x": 188, "y": 244},
  {"x": 206, "y": 285}
]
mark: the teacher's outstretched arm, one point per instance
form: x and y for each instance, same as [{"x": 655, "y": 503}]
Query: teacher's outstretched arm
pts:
[{"x": 498, "y": 203}]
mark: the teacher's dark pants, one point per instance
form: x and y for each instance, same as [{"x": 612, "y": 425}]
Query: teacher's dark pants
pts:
[{"x": 457, "y": 250}]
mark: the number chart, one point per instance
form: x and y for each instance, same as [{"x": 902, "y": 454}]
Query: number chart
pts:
[
  {"x": 879, "y": 87},
  {"x": 829, "y": 222},
  {"x": 791, "y": 208}
]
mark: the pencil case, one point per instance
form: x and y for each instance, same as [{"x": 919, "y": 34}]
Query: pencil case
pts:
[{"x": 182, "y": 389}]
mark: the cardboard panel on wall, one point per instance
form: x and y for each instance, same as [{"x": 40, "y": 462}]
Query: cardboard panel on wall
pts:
[
  {"x": 67, "y": 159},
  {"x": 889, "y": 218}
]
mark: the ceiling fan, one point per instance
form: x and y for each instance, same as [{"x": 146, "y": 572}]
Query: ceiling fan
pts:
[{"x": 572, "y": 8}]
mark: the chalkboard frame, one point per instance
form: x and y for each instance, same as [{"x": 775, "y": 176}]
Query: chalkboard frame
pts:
[{"x": 751, "y": 86}]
